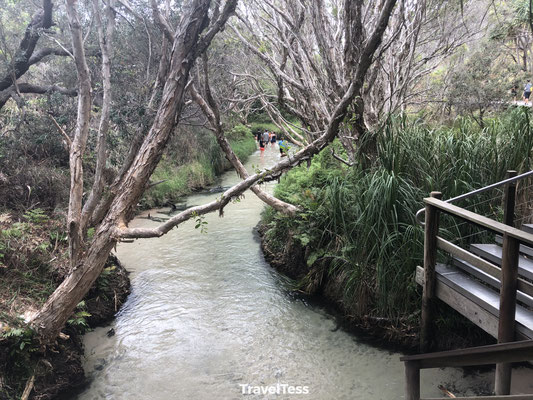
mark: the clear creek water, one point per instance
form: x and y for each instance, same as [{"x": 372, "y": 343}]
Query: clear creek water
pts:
[{"x": 208, "y": 316}]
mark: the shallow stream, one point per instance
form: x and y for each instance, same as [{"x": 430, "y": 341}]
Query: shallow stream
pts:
[{"x": 208, "y": 316}]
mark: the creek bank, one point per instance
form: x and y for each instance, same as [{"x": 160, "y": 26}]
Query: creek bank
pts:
[
  {"x": 59, "y": 370},
  {"x": 391, "y": 334},
  {"x": 174, "y": 178}
]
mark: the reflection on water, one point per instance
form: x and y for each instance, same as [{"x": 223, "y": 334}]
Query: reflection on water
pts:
[{"x": 207, "y": 315}]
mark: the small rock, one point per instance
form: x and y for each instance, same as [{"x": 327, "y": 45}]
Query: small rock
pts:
[{"x": 111, "y": 332}]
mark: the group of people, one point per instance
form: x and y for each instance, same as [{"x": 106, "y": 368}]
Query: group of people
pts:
[
  {"x": 270, "y": 137},
  {"x": 265, "y": 138}
]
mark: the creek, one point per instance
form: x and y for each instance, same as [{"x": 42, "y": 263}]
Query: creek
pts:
[{"x": 208, "y": 316}]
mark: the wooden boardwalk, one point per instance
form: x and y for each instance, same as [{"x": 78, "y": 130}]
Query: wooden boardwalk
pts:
[
  {"x": 475, "y": 294},
  {"x": 491, "y": 284}
]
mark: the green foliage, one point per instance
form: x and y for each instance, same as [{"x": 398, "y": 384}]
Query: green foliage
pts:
[
  {"x": 243, "y": 148},
  {"x": 358, "y": 226},
  {"x": 475, "y": 83},
  {"x": 256, "y": 127},
  {"x": 103, "y": 283},
  {"x": 239, "y": 132},
  {"x": 36, "y": 216},
  {"x": 21, "y": 348},
  {"x": 23, "y": 339},
  {"x": 16, "y": 231},
  {"x": 201, "y": 223},
  {"x": 79, "y": 318},
  {"x": 179, "y": 177}
]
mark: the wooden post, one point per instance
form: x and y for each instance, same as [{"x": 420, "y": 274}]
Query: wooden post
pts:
[
  {"x": 412, "y": 380},
  {"x": 506, "y": 322},
  {"x": 430, "y": 259},
  {"x": 509, "y": 200}
]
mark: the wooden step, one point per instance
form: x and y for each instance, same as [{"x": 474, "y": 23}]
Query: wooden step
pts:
[
  {"x": 475, "y": 301},
  {"x": 493, "y": 253},
  {"x": 527, "y": 228},
  {"x": 526, "y": 250},
  {"x": 489, "y": 279}
]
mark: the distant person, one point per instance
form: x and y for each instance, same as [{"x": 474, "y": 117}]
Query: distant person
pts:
[
  {"x": 265, "y": 138},
  {"x": 283, "y": 147},
  {"x": 527, "y": 92},
  {"x": 273, "y": 138},
  {"x": 514, "y": 92}
]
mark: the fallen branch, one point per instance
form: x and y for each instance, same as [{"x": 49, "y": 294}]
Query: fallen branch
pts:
[
  {"x": 28, "y": 388},
  {"x": 342, "y": 160}
]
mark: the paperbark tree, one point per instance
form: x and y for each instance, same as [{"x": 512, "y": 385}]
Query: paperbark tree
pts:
[
  {"x": 111, "y": 216},
  {"x": 88, "y": 261},
  {"x": 309, "y": 53}
]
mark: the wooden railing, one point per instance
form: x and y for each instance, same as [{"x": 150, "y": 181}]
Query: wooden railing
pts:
[
  {"x": 483, "y": 355},
  {"x": 508, "y": 274}
]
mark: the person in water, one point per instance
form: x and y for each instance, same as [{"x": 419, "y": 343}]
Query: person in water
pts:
[
  {"x": 273, "y": 138},
  {"x": 264, "y": 140},
  {"x": 283, "y": 147},
  {"x": 260, "y": 140}
]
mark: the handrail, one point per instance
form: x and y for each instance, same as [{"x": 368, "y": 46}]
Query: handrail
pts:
[
  {"x": 485, "y": 222},
  {"x": 477, "y": 191},
  {"x": 483, "y": 355}
]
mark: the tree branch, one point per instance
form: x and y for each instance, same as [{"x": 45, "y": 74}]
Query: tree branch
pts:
[
  {"x": 163, "y": 24},
  {"x": 106, "y": 47},
  {"x": 36, "y": 89},
  {"x": 210, "y": 109},
  {"x": 234, "y": 192},
  {"x": 41, "y": 20},
  {"x": 79, "y": 141},
  {"x": 342, "y": 160},
  {"x": 63, "y": 133}
]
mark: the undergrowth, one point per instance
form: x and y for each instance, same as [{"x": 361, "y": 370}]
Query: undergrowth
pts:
[
  {"x": 358, "y": 225},
  {"x": 175, "y": 178}
]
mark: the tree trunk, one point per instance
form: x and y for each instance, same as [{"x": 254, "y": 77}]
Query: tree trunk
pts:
[{"x": 187, "y": 46}]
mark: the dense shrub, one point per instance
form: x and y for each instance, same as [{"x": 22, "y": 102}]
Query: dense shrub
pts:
[{"x": 358, "y": 226}]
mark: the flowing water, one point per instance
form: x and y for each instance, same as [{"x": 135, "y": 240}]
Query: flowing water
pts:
[{"x": 208, "y": 318}]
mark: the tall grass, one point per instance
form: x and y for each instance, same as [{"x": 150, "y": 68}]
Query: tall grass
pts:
[{"x": 359, "y": 225}]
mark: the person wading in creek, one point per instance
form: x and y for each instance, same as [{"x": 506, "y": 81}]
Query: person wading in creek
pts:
[{"x": 264, "y": 140}]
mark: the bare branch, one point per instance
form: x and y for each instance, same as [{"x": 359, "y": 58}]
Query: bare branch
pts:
[
  {"x": 342, "y": 160},
  {"x": 106, "y": 47},
  {"x": 210, "y": 109},
  {"x": 62, "y": 131},
  {"x": 36, "y": 89},
  {"x": 41, "y": 20},
  {"x": 163, "y": 24}
]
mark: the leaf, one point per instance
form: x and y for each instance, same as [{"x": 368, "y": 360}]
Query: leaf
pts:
[{"x": 83, "y": 314}]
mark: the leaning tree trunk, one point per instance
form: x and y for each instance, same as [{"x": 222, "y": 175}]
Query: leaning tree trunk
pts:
[{"x": 60, "y": 305}]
